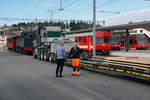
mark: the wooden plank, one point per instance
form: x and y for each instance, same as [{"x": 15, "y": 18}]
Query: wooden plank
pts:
[
  {"x": 128, "y": 64},
  {"x": 135, "y": 64},
  {"x": 139, "y": 60},
  {"x": 134, "y": 67},
  {"x": 132, "y": 62}
]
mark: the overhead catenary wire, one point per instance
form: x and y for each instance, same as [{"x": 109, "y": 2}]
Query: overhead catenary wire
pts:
[{"x": 70, "y": 4}]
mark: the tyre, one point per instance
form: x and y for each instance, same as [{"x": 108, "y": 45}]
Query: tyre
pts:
[
  {"x": 39, "y": 56},
  {"x": 50, "y": 59},
  {"x": 45, "y": 57},
  {"x": 34, "y": 56},
  {"x": 42, "y": 56}
]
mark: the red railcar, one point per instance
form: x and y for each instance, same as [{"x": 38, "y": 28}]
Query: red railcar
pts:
[
  {"x": 85, "y": 41},
  {"x": 116, "y": 42},
  {"x": 137, "y": 41},
  {"x": 11, "y": 43}
]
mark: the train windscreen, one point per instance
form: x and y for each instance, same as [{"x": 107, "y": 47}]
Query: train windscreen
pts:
[
  {"x": 99, "y": 39},
  {"x": 106, "y": 39},
  {"x": 142, "y": 39},
  {"x": 115, "y": 40}
]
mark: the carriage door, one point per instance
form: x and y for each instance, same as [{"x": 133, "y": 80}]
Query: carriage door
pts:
[
  {"x": 135, "y": 43},
  {"x": 122, "y": 43},
  {"x": 131, "y": 43}
]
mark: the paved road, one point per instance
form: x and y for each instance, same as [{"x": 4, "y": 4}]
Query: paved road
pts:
[{"x": 25, "y": 78}]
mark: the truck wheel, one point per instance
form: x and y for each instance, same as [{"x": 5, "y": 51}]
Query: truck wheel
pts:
[
  {"x": 39, "y": 56},
  {"x": 34, "y": 56},
  {"x": 50, "y": 59},
  {"x": 47, "y": 59},
  {"x": 44, "y": 56}
]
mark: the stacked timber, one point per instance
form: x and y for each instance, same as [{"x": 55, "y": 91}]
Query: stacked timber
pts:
[{"x": 140, "y": 63}]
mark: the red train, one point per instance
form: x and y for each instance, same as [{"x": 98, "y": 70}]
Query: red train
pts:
[
  {"x": 116, "y": 42},
  {"x": 85, "y": 41},
  {"x": 22, "y": 44},
  {"x": 137, "y": 41},
  {"x": 11, "y": 42}
]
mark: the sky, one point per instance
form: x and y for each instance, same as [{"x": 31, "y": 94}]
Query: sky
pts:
[
  {"x": 125, "y": 18},
  {"x": 73, "y": 9}
]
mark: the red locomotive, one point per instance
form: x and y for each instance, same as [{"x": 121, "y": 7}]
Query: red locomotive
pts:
[
  {"x": 116, "y": 41},
  {"x": 137, "y": 42},
  {"x": 85, "y": 41}
]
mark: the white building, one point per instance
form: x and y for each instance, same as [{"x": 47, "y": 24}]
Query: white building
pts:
[
  {"x": 133, "y": 16},
  {"x": 145, "y": 31},
  {"x": 3, "y": 40}
]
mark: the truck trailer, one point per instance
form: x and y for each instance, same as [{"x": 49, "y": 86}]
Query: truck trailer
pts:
[{"x": 45, "y": 43}]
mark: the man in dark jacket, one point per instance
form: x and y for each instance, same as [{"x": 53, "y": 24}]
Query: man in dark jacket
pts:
[
  {"x": 75, "y": 55},
  {"x": 60, "y": 58}
]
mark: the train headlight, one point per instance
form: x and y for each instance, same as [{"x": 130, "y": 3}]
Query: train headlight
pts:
[{"x": 103, "y": 44}]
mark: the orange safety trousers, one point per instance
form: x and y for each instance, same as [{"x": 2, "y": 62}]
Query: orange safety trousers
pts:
[{"x": 76, "y": 68}]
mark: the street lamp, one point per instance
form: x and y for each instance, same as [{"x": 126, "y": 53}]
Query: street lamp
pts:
[
  {"x": 53, "y": 11},
  {"x": 61, "y": 6},
  {"x": 60, "y": 9}
]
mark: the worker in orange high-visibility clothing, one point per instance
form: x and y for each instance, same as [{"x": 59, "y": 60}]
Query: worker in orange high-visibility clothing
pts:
[{"x": 75, "y": 55}]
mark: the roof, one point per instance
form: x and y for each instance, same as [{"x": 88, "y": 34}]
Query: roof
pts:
[{"x": 116, "y": 27}]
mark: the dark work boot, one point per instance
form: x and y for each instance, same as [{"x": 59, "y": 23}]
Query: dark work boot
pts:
[
  {"x": 61, "y": 76},
  {"x": 57, "y": 75}
]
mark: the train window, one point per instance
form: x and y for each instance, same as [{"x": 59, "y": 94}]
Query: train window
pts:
[
  {"x": 31, "y": 36},
  {"x": 106, "y": 39},
  {"x": 91, "y": 39},
  {"x": 135, "y": 41},
  {"x": 25, "y": 34},
  {"x": 76, "y": 39},
  {"x": 131, "y": 41},
  {"x": 79, "y": 39},
  {"x": 142, "y": 39},
  {"x": 115, "y": 40},
  {"x": 99, "y": 39},
  {"x": 84, "y": 39}
]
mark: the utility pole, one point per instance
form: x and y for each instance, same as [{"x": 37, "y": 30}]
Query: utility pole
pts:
[
  {"x": 94, "y": 26},
  {"x": 61, "y": 5},
  {"x": 51, "y": 15},
  {"x": 36, "y": 22},
  {"x": 53, "y": 11}
]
